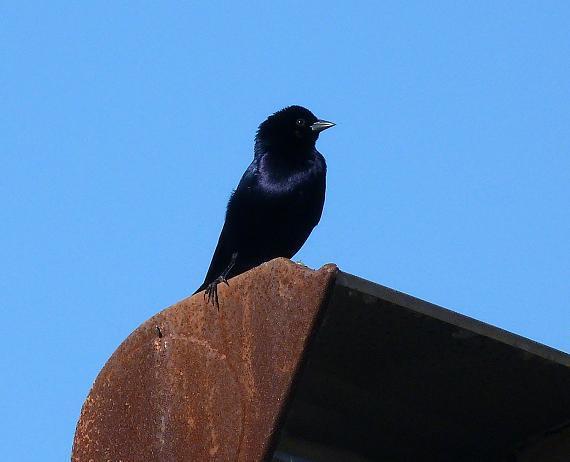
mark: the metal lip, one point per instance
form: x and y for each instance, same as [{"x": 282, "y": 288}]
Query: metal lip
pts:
[{"x": 446, "y": 315}]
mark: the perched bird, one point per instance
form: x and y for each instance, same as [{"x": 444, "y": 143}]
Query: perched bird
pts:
[{"x": 278, "y": 201}]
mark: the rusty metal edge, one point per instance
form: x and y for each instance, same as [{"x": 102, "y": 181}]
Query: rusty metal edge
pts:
[{"x": 331, "y": 283}]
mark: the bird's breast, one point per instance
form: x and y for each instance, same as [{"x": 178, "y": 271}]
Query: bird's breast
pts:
[
  {"x": 285, "y": 193},
  {"x": 293, "y": 190}
]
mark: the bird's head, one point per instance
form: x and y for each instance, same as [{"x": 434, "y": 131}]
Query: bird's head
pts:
[{"x": 293, "y": 130}]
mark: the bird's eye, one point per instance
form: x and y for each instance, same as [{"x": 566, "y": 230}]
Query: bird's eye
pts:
[{"x": 300, "y": 122}]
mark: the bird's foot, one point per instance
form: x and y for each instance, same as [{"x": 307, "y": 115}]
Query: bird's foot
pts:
[{"x": 211, "y": 292}]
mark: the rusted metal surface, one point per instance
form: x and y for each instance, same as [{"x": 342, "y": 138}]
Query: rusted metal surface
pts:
[{"x": 195, "y": 384}]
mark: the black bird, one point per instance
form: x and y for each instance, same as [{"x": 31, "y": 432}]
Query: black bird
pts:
[{"x": 278, "y": 201}]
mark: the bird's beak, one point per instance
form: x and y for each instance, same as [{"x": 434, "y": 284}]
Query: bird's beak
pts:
[{"x": 321, "y": 125}]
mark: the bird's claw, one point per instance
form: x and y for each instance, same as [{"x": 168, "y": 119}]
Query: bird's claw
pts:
[{"x": 211, "y": 292}]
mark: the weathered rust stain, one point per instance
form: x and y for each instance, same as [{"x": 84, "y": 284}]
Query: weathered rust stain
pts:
[{"x": 193, "y": 383}]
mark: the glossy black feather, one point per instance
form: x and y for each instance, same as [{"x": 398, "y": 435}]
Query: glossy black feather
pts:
[{"x": 279, "y": 199}]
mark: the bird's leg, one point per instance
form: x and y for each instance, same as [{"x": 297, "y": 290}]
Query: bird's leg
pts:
[{"x": 211, "y": 291}]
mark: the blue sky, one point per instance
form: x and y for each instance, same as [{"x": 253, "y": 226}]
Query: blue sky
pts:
[{"x": 125, "y": 126}]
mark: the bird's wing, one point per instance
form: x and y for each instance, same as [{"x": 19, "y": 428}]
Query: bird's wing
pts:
[{"x": 237, "y": 217}]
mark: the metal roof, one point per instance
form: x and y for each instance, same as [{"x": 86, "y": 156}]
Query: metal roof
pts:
[
  {"x": 391, "y": 377},
  {"x": 300, "y": 365}
]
